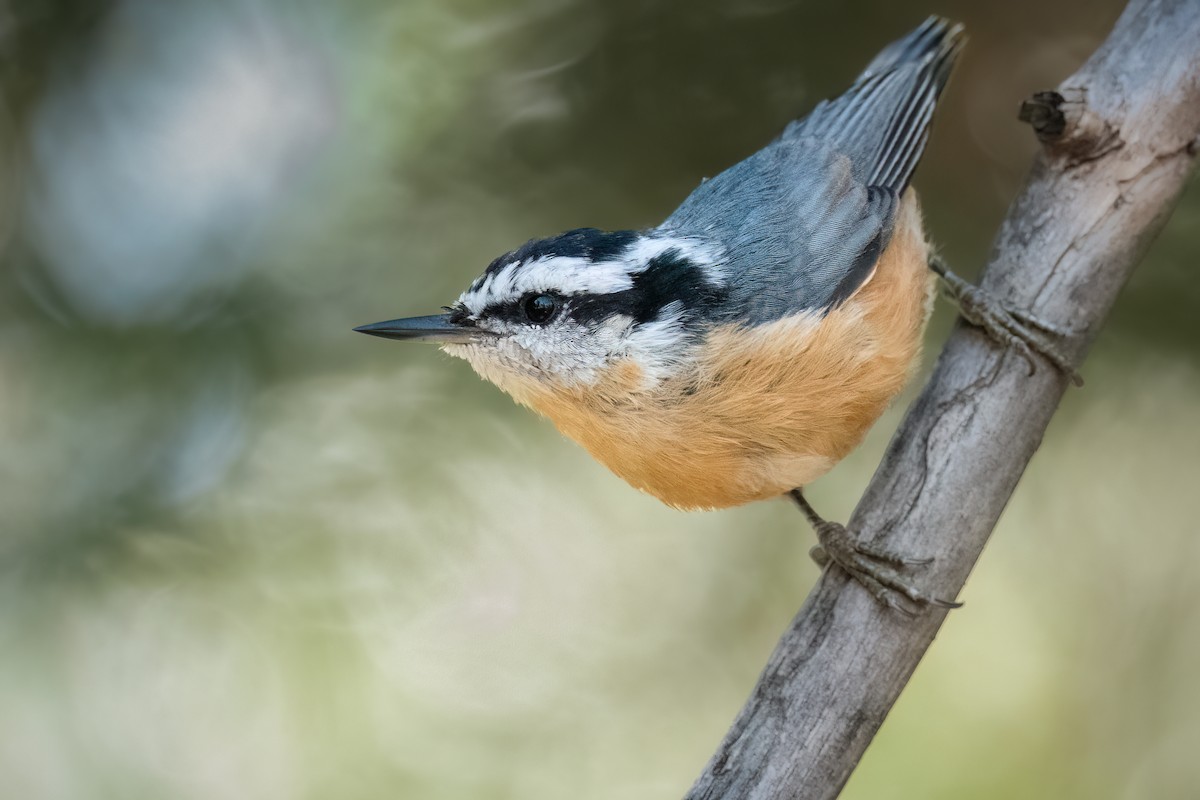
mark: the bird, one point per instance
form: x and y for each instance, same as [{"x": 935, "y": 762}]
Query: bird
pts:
[{"x": 740, "y": 349}]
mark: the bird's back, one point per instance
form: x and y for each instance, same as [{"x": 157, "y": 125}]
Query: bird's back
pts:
[{"x": 804, "y": 221}]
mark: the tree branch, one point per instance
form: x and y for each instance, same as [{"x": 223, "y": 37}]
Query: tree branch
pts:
[{"x": 1120, "y": 138}]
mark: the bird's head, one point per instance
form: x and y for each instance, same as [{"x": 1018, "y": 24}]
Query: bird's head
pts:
[{"x": 559, "y": 313}]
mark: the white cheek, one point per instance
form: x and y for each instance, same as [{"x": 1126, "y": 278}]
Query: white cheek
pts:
[
  {"x": 662, "y": 346},
  {"x": 563, "y": 355},
  {"x": 568, "y": 353}
]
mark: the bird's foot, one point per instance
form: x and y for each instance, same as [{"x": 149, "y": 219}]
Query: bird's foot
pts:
[
  {"x": 874, "y": 567},
  {"x": 1011, "y": 327}
]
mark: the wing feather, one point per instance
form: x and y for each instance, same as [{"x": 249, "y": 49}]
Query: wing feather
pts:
[{"x": 804, "y": 220}]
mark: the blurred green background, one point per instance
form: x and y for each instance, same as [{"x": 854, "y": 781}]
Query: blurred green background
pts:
[{"x": 245, "y": 552}]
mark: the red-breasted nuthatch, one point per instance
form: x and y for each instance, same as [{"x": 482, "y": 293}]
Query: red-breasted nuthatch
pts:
[{"x": 743, "y": 347}]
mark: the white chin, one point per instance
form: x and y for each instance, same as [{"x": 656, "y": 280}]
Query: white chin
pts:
[{"x": 457, "y": 350}]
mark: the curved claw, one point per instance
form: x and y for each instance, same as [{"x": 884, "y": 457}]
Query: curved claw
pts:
[
  {"x": 1034, "y": 321},
  {"x": 867, "y": 564},
  {"x": 1009, "y": 326},
  {"x": 890, "y": 556}
]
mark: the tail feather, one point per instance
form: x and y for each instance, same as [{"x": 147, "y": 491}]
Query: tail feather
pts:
[
  {"x": 926, "y": 38},
  {"x": 882, "y": 121}
]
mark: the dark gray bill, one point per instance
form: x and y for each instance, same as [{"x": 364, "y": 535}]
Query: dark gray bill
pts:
[{"x": 435, "y": 328}]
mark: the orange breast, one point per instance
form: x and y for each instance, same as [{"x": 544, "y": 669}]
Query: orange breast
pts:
[{"x": 766, "y": 409}]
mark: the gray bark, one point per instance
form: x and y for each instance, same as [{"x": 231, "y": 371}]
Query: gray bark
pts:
[{"x": 1120, "y": 138}]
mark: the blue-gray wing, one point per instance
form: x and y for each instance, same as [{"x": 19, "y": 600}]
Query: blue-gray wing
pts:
[{"x": 803, "y": 221}]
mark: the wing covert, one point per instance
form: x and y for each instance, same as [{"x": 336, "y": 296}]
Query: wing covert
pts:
[{"x": 804, "y": 220}]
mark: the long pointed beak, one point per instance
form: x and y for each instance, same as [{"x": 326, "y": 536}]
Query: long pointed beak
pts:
[{"x": 435, "y": 328}]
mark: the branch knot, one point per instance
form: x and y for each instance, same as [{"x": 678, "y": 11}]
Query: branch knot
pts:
[{"x": 1066, "y": 125}]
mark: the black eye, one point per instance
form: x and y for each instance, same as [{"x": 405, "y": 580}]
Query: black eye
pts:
[{"x": 540, "y": 308}]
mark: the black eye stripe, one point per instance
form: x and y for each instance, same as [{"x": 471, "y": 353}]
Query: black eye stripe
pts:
[
  {"x": 516, "y": 311},
  {"x": 669, "y": 278}
]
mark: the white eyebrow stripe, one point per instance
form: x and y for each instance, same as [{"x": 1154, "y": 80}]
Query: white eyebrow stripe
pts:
[
  {"x": 703, "y": 254},
  {"x": 565, "y": 274},
  {"x": 573, "y": 275}
]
